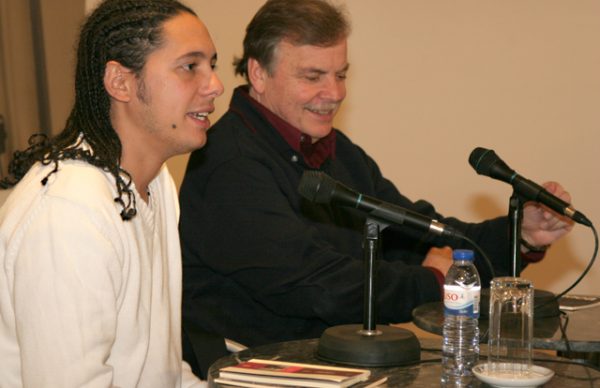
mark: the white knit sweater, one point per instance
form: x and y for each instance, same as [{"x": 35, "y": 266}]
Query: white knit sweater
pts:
[{"x": 86, "y": 299}]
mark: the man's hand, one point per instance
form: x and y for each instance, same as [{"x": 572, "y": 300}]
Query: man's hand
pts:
[
  {"x": 439, "y": 258},
  {"x": 541, "y": 226}
]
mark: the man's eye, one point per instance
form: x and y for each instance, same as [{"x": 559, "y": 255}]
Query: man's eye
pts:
[
  {"x": 189, "y": 66},
  {"x": 342, "y": 76}
]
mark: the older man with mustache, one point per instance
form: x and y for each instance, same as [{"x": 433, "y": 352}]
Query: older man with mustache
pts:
[{"x": 261, "y": 264}]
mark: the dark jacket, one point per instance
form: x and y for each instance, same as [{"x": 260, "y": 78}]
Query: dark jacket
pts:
[{"x": 261, "y": 264}]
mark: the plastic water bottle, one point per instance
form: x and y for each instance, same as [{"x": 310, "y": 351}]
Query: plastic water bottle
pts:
[{"x": 460, "y": 347}]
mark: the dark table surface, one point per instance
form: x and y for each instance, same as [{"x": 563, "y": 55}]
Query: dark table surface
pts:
[
  {"x": 424, "y": 374},
  {"x": 572, "y": 331}
]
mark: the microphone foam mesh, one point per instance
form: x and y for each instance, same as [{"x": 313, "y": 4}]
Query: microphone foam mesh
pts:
[
  {"x": 316, "y": 186},
  {"x": 482, "y": 159}
]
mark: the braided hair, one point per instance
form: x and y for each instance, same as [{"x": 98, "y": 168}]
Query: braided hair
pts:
[{"x": 125, "y": 31}]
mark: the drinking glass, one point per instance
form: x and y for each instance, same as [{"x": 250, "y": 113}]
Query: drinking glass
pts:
[{"x": 510, "y": 327}]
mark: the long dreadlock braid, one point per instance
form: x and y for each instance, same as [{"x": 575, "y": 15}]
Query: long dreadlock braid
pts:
[{"x": 126, "y": 31}]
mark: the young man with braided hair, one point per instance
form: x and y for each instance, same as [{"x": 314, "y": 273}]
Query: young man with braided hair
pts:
[{"x": 90, "y": 278}]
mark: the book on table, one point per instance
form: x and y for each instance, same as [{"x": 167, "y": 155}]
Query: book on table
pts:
[{"x": 292, "y": 374}]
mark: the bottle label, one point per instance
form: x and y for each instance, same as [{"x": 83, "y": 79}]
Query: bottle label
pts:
[{"x": 463, "y": 301}]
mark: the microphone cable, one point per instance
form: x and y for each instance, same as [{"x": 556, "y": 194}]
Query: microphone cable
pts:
[{"x": 583, "y": 274}]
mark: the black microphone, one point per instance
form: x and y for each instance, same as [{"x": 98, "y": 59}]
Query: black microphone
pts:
[
  {"x": 319, "y": 187},
  {"x": 487, "y": 163}
]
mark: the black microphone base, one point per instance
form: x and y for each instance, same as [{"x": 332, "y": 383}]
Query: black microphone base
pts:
[{"x": 346, "y": 344}]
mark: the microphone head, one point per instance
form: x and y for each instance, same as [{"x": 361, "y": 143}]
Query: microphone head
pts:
[
  {"x": 487, "y": 163},
  {"x": 481, "y": 160},
  {"x": 316, "y": 186}
]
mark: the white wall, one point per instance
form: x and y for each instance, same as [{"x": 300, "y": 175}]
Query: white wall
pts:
[{"x": 432, "y": 79}]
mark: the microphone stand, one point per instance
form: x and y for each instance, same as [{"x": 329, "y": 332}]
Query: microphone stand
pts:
[
  {"x": 515, "y": 219},
  {"x": 545, "y": 305},
  {"x": 369, "y": 345},
  {"x": 371, "y": 246}
]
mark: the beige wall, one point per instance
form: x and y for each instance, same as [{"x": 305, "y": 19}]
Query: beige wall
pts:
[
  {"x": 18, "y": 82},
  {"x": 18, "y": 103},
  {"x": 430, "y": 80},
  {"x": 61, "y": 18}
]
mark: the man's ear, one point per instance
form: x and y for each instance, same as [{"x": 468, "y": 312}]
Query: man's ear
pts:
[
  {"x": 257, "y": 75},
  {"x": 118, "y": 81}
]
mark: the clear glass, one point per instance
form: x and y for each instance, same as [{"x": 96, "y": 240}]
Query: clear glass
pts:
[{"x": 511, "y": 327}]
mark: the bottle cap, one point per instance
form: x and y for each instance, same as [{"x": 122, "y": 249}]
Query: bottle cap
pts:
[{"x": 463, "y": 254}]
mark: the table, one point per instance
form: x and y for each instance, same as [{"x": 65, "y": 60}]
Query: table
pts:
[
  {"x": 425, "y": 374},
  {"x": 572, "y": 331}
]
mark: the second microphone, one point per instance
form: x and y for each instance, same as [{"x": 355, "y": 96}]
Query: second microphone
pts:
[{"x": 319, "y": 187}]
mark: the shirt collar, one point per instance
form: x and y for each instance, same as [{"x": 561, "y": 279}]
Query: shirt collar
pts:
[{"x": 314, "y": 154}]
